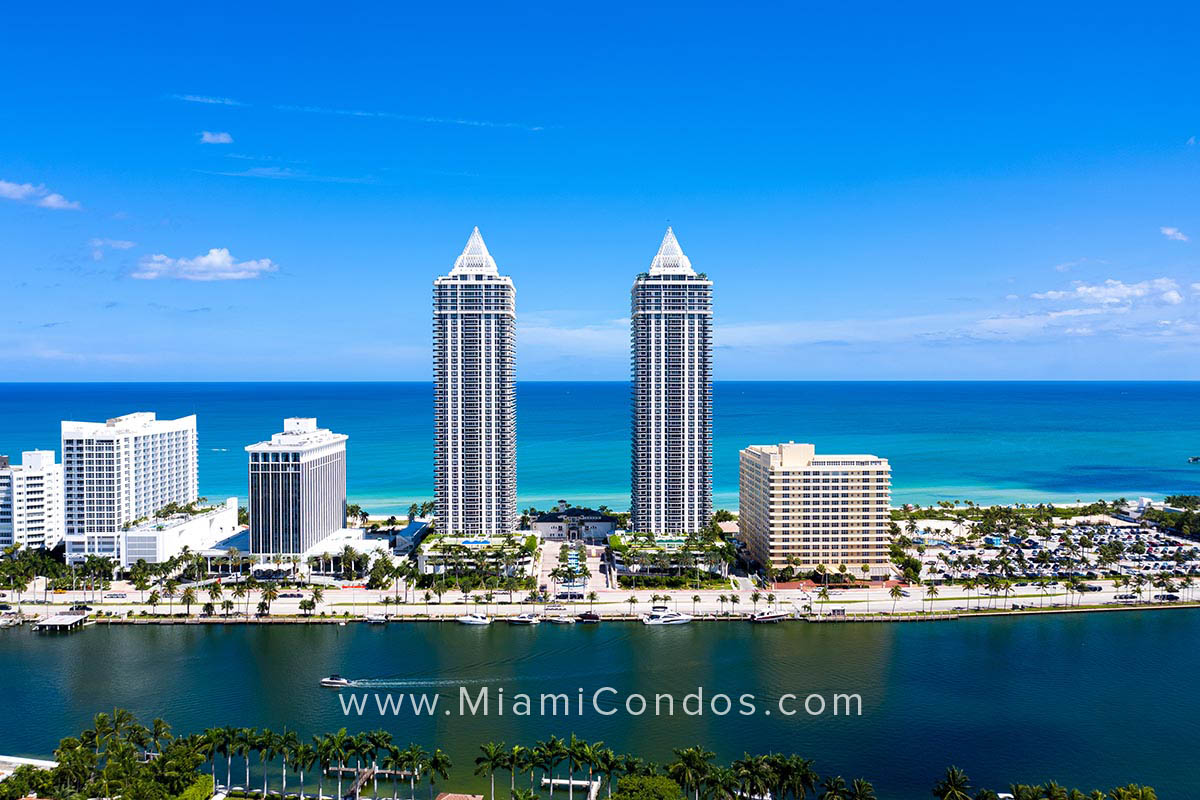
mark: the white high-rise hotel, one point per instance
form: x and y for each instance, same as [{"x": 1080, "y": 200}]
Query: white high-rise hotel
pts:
[
  {"x": 672, "y": 395},
  {"x": 474, "y": 353},
  {"x": 122, "y": 470}
]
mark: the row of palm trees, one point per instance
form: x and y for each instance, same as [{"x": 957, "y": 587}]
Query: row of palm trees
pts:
[
  {"x": 577, "y": 762},
  {"x": 118, "y": 756}
]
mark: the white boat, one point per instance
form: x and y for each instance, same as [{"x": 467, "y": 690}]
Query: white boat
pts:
[
  {"x": 377, "y": 619},
  {"x": 473, "y": 619},
  {"x": 335, "y": 681},
  {"x": 558, "y": 619},
  {"x": 524, "y": 619},
  {"x": 666, "y": 618},
  {"x": 770, "y": 616}
]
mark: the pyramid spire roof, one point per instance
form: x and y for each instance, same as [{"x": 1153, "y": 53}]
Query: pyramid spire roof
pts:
[
  {"x": 670, "y": 259},
  {"x": 475, "y": 256}
]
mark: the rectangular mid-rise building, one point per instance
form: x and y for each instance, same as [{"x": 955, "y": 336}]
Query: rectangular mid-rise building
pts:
[
  {"x": 804, "y": 510},
  {"x": 121, "y": 471},
  {"x": 297, "y": 488},
  {"x": 31, "y": 501}
]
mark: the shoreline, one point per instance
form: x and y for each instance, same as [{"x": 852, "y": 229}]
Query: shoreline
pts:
[{"x": 940, "y": 616}]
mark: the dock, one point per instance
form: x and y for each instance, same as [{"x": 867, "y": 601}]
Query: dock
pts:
[
  {"x": 563, "y": 784},
  {"x": 61, "y": 622}
]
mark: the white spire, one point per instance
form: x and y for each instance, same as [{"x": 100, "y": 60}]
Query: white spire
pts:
[
  {"x": 475, "y": 257},
  {"x": 670, "y": 259}
]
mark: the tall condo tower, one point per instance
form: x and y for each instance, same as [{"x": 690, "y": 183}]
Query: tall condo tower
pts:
[
  {"x": 297, "y": 488},
  {"x": 671, "y": 343},
  {"x": 475, "y": 404}
]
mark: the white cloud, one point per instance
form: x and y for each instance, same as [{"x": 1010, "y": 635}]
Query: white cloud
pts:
[
  {"x": 212, "y": 101},
  {"x": 429, "y": 120},
  {"x": 216, "y": 265},
  {"x": 1173, "y": 233},
  {"x": 1196, "y": 288},
  {"x": 1114, "y": 292},
  {"x": 98, "y": 246},
  {"x": 215, "y": 137},
  {"x": 38, "y": 195}
]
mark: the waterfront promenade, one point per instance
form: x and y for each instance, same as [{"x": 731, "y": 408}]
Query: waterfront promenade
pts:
[{"x": 340, "y": 604}]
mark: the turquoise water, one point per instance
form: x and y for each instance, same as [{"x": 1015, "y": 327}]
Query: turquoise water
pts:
[
  {"x": 988, "y": 442},
  {"x": 1085, "y": 699}
]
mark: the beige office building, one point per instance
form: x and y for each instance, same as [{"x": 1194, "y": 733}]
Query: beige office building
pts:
[{"x": 801, "y": 509}]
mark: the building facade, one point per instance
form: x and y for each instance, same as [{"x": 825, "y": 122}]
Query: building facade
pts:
[
  {"x": 160, "y": 539},
  {"x": 121, "y": 471},
  {"x": 804, "y": 510},
  {"x": 31, "y": 501},
  {"x": 568, "y": 523},
  {"x": 475, "y": 404},
  {"x": 671, "y": 343},
  {"x": 297, "y": 488}
]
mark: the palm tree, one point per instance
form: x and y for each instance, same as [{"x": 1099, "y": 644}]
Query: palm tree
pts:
[
  {"x": 954, "y": 786},
  {"x": 690, "y": 768},
  {"x": 608, "y": 765},
  {"x": 417, "y": 759},
  {"x": 895, "y": 593},
  {"x": 439, "y": 765},
  {"x": 338, "y": 746},
  {"x": 394, "y": 762},
  {"x": 861, "y": 789},
  {"x": 303, "y": 757},
  {"x": 493, "y": 758},
  {"x": 244, "y": 741},
  {"x": 931, "y": 592},
  {"x": 834, "y": 788},
  {"x": 722, "y": 784}
]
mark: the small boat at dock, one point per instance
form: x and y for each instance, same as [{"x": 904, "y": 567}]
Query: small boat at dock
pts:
[
  {"x": 588, "y": 617},
  {"x": 560, "y": 619},
  {"x": 657, "y": 617},
  {"x": 524, "y": 619},
  {"x": 769, "y": 616},
  {"x": 473, "y": 619}
]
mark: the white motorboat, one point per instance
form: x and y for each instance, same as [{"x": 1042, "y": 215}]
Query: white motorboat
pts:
[
  {"x": 769, "y": 616},
  {"x": 524, "y": 619},
  {"x": 657, "y": 617},
  {"x": 559, "y": 619},
  {"x": 377, "y": 619},
  {"x": 473, "y": 619},
  {"x": 335, "y": 681}
]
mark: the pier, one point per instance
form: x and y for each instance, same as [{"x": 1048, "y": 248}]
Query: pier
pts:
[
  {"x": 61, "y": 622},
  {"x": 593, "y": 788}
]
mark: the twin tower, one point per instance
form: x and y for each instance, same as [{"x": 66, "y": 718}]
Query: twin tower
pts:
[{"x": 474, "y": 375}]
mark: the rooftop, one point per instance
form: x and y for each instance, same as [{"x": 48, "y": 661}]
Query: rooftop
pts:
[
  {"x": 670, "y": 259},
  {"x": 475, "y": 257},
  {"x": 299, "y": 433}
]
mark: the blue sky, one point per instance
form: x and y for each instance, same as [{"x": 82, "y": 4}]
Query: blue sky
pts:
[{"x": 951, "y": 190}]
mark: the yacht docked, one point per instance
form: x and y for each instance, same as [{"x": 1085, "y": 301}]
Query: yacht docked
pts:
[
  {"x": 473, "y": 619},
  {"x": 664, "y": 617},
  {"x": 561, "y": 619},
  {"x": 524, "y": 619},
  {"x": 589, "y": 617},
  {"x": 769, "y": 616}
]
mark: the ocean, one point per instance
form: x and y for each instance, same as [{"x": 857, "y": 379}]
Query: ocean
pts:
[{"x": 990, "y": 442}]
